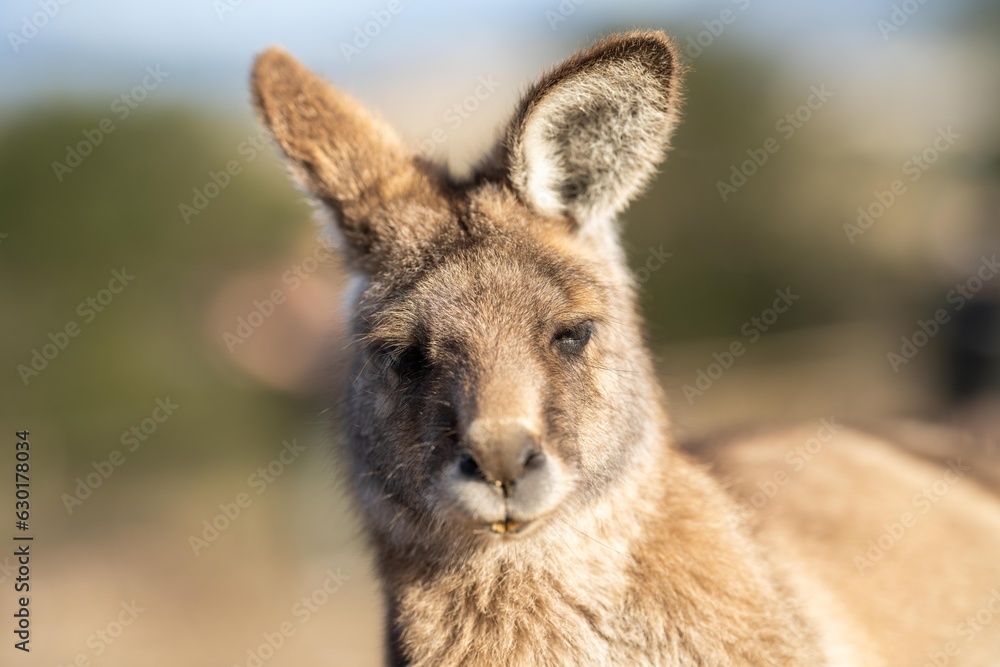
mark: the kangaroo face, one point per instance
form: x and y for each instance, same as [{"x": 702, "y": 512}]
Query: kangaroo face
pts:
[
  {"x": 497, "y": 378},
  {"x": 493, "y": 378}
]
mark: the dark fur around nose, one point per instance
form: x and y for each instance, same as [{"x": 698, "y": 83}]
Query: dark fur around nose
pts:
[{"x": 500, "y": 454}]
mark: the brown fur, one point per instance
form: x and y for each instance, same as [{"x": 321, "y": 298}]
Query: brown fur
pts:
[{"x": 497, "y": 325}]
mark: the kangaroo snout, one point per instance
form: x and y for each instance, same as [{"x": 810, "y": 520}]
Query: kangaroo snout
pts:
[
  {"x": 502, "y": 478},
  {"x": 501, "y": 452}
]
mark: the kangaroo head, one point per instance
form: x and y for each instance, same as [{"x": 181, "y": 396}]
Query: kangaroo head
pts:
[{"x": 499, "y": 375}]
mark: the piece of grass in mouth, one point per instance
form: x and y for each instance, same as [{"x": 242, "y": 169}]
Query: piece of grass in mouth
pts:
[{"x": 505, "y": 527}]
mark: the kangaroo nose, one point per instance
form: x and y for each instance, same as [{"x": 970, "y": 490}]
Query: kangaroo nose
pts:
[{"x": 500, "y": 452}]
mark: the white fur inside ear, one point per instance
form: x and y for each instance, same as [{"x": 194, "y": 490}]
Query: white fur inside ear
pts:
[
  {"x": 593, "y": 141},
  {"x": 541, "y": 170}
]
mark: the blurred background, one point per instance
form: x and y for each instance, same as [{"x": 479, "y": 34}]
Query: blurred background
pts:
[{"x": 169, "y": 309}]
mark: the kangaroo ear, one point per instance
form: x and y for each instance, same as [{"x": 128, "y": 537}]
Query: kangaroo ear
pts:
[
  {"x": 385, "y": 205},
  {"x": 586, "y": 139}
]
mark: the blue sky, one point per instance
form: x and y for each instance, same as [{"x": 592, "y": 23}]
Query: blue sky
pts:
[{"x": 99, "y": 48}]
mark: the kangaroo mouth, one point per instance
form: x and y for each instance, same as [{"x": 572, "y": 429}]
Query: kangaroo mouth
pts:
[
  {"x": 513, "y": 529},
  {"x": 506, "y": 527}
]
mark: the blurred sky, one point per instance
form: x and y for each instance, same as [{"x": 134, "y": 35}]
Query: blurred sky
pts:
[
  {"x": 95, "y": 48},
  {"x": 99, "y": 50}
]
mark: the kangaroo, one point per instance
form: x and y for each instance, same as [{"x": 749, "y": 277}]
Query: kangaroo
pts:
[{"x": 506, "y": 440}]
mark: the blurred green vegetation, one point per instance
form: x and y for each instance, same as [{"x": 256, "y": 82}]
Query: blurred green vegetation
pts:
[
  {"x": 730, "y": 256},
  {"x": 119, "y": 208}
]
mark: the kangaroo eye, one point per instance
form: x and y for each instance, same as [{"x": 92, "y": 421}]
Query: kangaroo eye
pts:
[
  {"x": 575, "y": 337},
  {"x": 409, "y": 363}
]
